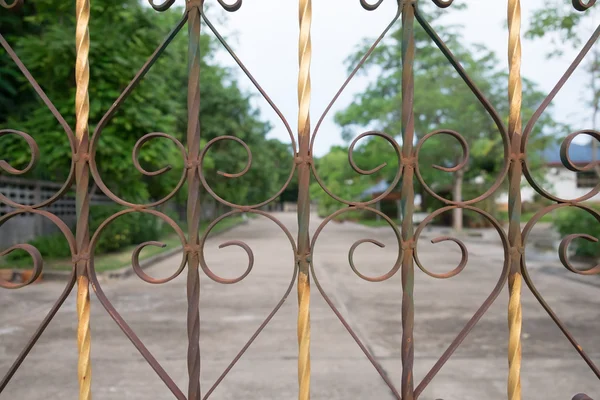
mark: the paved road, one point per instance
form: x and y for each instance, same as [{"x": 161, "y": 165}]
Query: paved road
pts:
[{"x": 231, "y": 313}]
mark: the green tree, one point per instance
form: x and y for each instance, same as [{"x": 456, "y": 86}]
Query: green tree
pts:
[
  {"x": 442, "y": 101},
  {"x": 123, "y": 35},
  {"x": 565, "y": 28}
]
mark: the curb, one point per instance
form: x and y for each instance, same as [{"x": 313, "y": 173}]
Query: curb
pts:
[{"x": 126, "y": 271}]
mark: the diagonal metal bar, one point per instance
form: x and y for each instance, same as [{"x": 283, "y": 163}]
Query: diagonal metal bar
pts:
[{"x": 193, "y": 201}]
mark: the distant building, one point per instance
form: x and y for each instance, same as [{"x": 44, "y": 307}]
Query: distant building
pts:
[{"x": 560, "y": 181}]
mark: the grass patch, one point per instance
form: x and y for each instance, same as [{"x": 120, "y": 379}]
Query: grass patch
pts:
[{"x": 122, "y": 258}]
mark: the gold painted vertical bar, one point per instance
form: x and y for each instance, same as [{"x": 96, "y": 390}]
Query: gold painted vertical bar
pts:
[
  {"x": 82, "y": 108},
  {"x": 304, "y": 156},
  {"x": 514, "y": 231}
]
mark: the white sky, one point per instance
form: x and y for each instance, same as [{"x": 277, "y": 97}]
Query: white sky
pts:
[{"x": 264, "y": 35}]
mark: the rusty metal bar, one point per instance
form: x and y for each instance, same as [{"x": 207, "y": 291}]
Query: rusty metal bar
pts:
[
  {"x": 193, "y": 202},
  {"x": 407, "y": 198},
  {"x": 82, "y": 177},
  {"x": 514, "y": 209},
  {"x": 303, "y": 159}
]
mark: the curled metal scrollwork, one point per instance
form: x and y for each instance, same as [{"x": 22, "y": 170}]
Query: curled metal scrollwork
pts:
[
  {"x": 238, "y": 243},
  {"x": 38, "y": 263},
  {"x": 581, "y": 5},
  {"x": 383, "y": 135},
  {"x": 110, "y": 113},
  {"x": 231, "y": 7},
  {"x": 30, "y": 141},
  {"x": 485, "y": 103},
  {"x": 136, "y": 252},
  {"x": 370, "y": 7},
  {"x": 354, "y": 246},
  {"x": 568, "y": 164},
  {"x": 134, "y": 154},
  {"x": 443, "y": 3},
  {"x": 164, "y": 6},
  {"x": 581, "y": 396},
  {"x": 12, "y": 6},
  {"x": 461, "y": 266},
  {"x": 37, "y": 271},
  {"x": 219, "y": 279},
  {"x": 381, "y": 278},
  {"x": 361, "y": 171},
  {"x": 164, "y": 376},
  {"x": 236, "y": 175},
  {"x": 33, "y": 149},
  {"x": 563, "y": 255},
  {"x": 31, "y": 250}
]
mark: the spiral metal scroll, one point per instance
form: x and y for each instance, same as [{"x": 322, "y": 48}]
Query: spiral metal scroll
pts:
[
  {"x": 37, "y": 271},
  {"x": 34, "y": 150},
  {"x": 561, "y": 203},
  {"x": 15, "y": 5},
  {"x": 562, "y": 252},
  {"x": 581, "y": 5},
  {"x": 485, "y": 103},
  {"x": 36, "y": 208},
  {"x": 443, "y": 3},
  {"x": 240, "y": 141},
  {"x": 460, "y": 267},
  {"x": 212, "y": 275},
  {"x": 393, "y": 270},
  {"x": 370, "y": 7}
]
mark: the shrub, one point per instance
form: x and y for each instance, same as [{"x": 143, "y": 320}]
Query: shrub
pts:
[
  {"x": 128, "y": 229},
  {"x": 132, "y": 228},
  {"x": 51, "y": 246},
  {"x": 573, "y": 220}
]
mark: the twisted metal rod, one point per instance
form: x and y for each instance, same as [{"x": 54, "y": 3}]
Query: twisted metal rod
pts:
[
  {"x": 304, "y": 161},
  {"x": 82, "y": 110},
  {"x": 193, "y": 201},
  {"x": 515, "y": 91}
]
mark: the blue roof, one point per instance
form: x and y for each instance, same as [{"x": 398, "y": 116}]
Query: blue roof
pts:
[
  {"x": 378, "y": 188},
  {"x": 579, "y": 153}
]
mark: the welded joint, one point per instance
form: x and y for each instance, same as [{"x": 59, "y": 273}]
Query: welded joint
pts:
[
  {"x": 303, "y": 160},
  {"x": 303, "y": 258},
  {"x": 517, "y": 157},
  {"x": 517, "y": 251},
  {"x": 192, "y": 163},
  {"x": 358, "y": 206},
  {"x": 409, "y": 162},
  {"x": 83, "y": 256},
  {"x": 81, "y": 156},
  {"x": 192, "y": 249},
  {"x": 409, "y": 244}
]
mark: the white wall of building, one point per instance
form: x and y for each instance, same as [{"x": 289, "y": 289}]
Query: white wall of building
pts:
[{"x": 559, "y": 181}]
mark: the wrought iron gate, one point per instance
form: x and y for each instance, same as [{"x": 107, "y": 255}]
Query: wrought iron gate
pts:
[{"x": 84, "y": 169}]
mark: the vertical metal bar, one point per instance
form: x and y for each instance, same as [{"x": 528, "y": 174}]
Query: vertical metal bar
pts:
[
  {"x": 82, "y": 110},
  {"x": 304, "y": 159},
  {"x": 514, "y": 210},
  {"x": 407, "y": 198},
  {"x": 193, "y": 201}
]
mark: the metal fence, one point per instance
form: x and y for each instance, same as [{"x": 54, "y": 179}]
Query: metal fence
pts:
[
  {"x": 29, "y": 193},
  {"x": 515, "y": 166}
]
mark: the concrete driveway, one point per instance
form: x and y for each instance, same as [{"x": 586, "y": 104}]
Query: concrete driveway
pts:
[{"x": 231, "y": 313}]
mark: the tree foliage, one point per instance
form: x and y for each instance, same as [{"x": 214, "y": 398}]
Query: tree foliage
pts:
[
  {"x": 123, "y": 35},
  {"x": 441, "y": 101}
]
